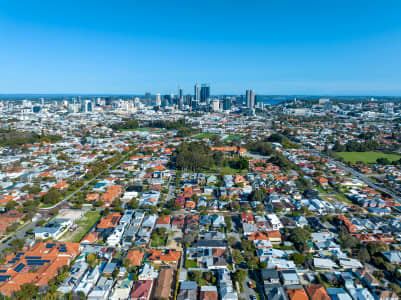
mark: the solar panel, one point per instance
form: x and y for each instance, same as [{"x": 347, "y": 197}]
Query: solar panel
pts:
[
  {"x": 30, "y": 263},
  {"x": 33, "y": 257},
  {"x": 50, "y": 245},
  {"x": 19, "y": 267},
  {"x": 3, "y": 271},
  {"x": 4, "y": 277},
  {"x": 15, "y": 259},
  {"x": 37, "y": 262}
]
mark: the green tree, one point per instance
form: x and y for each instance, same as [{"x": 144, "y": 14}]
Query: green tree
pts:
[
  {"x": 227, "y": 220},
  {"x": 239, "y": 275},
  {"x": 17, "y": 244},
  {"x": 257, "y": 195},
  {"x": 298, "y": 258},
  {"x": 237, "y": 256},
  {"x": 195, "y": 276},
  {"x": 51, "y": 197},
  {"x": 232, "y": 241},
  {"x": 91, "y": 260},
  {"x": 11, "y": 205},
  {"x": 363, "y": 255},
  {"x": 28, "y": 291}
]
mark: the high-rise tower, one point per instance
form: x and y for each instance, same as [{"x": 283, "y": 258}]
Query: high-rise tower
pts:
[
  {"x": 197, "y": 92},
  {"x": 205, "y": 93},
  {"x": 250, "y": 98}
]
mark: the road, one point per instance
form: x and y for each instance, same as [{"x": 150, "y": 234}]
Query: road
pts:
[
  {"x": 247, "y": 290},
  {"x": 18, "y": 235},
  {"x": 86, "y": 183},
  {"x": 355, "y": 173},
  {"x": 21, "y": 233},
  {"x": 171, "y": 188},
  {"x": 361, "y": 177}
]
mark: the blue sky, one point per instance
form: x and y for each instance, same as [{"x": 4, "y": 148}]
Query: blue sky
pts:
[{"x": 337, "y": 47}]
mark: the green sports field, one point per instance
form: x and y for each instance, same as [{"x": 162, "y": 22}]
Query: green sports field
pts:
[
  {"x": 366, "y": 157},
  {"x": 204, "y": 135},
  {"x": 233, "y": 137}
]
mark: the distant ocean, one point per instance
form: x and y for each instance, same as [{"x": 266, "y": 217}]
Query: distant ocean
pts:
[{"x": 273, "y": 101}]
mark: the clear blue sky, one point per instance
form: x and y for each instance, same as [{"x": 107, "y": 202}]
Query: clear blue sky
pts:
[{"x": 343, "y": 47}]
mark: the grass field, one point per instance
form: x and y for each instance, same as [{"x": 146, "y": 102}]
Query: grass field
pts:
[
  {"x": 366, "y": 157},
  {"x": 233, "y": 137},
  {"x": 226, "y": 171},
  {"x": 204, "y": 135},
  {"x": 342, "y": 198},
  {"x": 84, "y": 224},
  {"x": 145, "y": 129}
]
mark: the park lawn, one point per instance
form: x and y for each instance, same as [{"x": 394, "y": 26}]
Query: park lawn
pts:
[
  {"x": 226, "y": 171},
  {"x": 83, "y": 226},
  {"x": 155, "y": 130},
  {"x": 366, "y": 157},
  {"x": 203, "y": 135},
  {"x": 189, "y": 263},
  {"x": 342, "y": 198},
  {"x": 326, "y": 198},
  {"x": 233, "y": 137}
]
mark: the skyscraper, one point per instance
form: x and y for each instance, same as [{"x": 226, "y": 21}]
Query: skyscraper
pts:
[
  {"x": 215, "y": 105},
  {"x": 197, "y": 92},
  {"x": 188, "y": 99},
  {"x": 250, "y": 98},
  {"x": 226, "y": 103},
  {"x": 180, "y": 93},
  {"x": 87, "y": 106},
  {"x": 107, "y": 101},
  {"x": 166, "y": 100},
  {"x": 205, "y": 93},
  {"x": 158, "y": 100}
]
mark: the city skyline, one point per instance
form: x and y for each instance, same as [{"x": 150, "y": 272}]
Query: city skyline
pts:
[{"x": 281, "y": 48}]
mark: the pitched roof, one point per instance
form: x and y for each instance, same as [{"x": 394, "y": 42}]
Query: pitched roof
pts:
[
  {"x": 317, "y": 292},
  {"x": 135, "y": 257},
  {"x": 297, "y": 294},
  {"x": 166, "y": 256},
  {"x": 163, "y": 284},
  {"x": 165, "y": 220},
  {"x": 141, "y": 289},
  {"x": 38, "y": 265}
]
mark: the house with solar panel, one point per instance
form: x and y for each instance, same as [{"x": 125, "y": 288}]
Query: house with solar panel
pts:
[{"x": 38, "y": 265}]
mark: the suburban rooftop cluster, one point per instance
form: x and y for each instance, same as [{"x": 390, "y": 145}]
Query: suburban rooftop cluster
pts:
[{"x": 200, "y": 197}]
